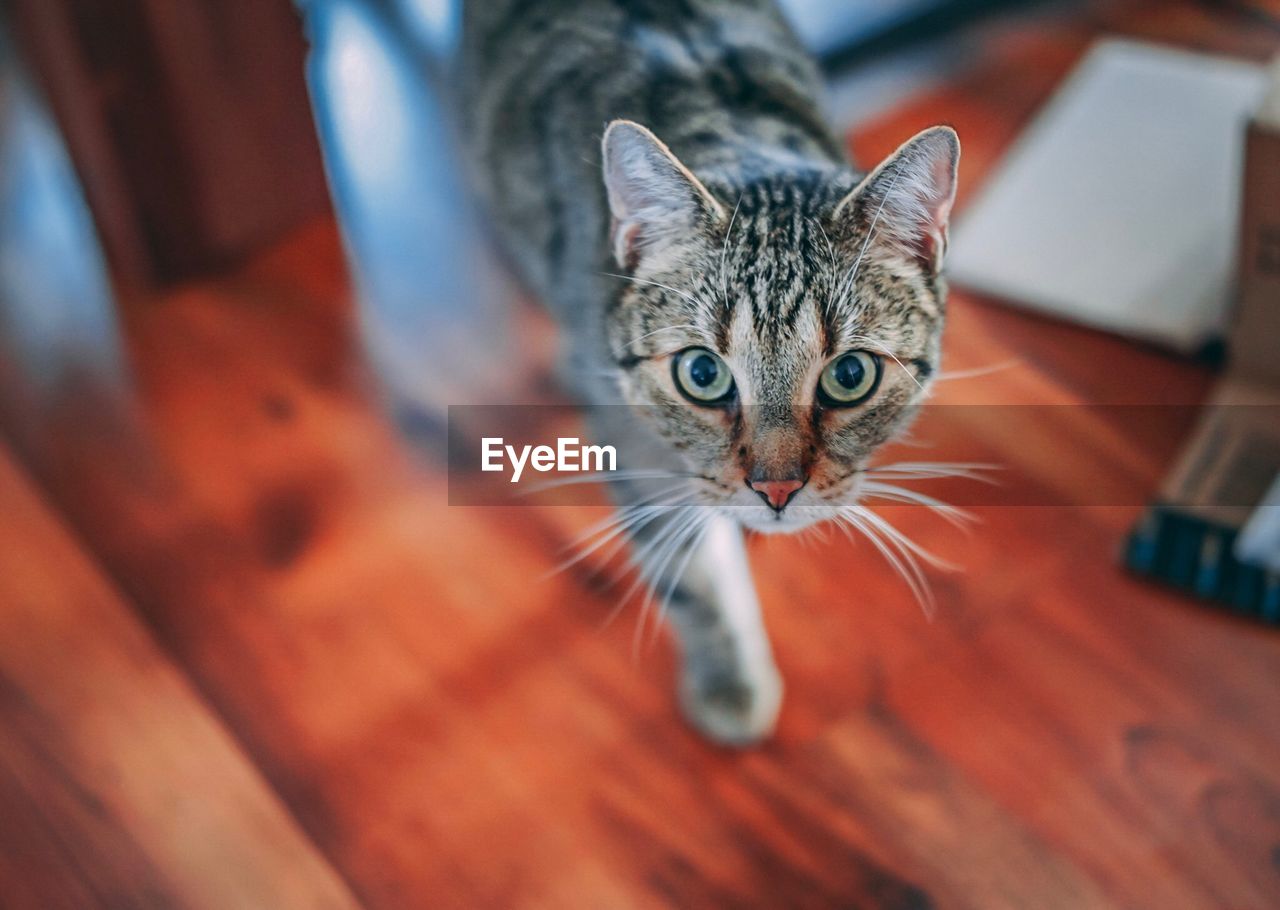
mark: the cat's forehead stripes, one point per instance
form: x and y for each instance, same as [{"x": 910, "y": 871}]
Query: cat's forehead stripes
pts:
[{"x": 778, "y": 259}]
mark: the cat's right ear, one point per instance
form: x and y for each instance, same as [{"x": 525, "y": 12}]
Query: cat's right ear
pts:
[
  {"x": 905, "y": 203},
  {"x": 656, "y": 201}
]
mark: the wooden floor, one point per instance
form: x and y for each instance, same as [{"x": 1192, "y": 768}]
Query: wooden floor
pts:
[{"x": 250, "y": 658}]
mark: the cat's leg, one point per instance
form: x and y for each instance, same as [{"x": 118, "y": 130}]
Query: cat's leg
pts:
[{"x": 729, "y": 685}]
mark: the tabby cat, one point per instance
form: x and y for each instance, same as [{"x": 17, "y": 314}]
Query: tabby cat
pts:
[{"x": 768, "y": 315}]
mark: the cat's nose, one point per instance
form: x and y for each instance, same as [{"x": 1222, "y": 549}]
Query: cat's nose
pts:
[{"x": 777, "y": 493}]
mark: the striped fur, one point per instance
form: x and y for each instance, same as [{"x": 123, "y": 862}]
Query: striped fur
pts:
[{"x": 717, "y": 211}]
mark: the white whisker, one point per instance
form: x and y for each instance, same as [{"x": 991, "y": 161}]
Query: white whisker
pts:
[
  {"x": 670, "y": 548},
  {"x": 657, "y": 284},
  {"x": 604, "y": 477},
  {"x": 952, "y": 375},
  {"x": 903, "y": 541},
  {"x": 904, "y": 565},
  {"x": 949, "y": 513},
  {"x": 692, "y": 540},
  {"x": 884, "y": 349},
  {"x": 932, "y": 470},
  {"x": 666, "y": 328},
  {"x": 623, "y": 525},
  {"x": 640, "y": 558},
  {"x": 847, "y": 285},
  {"x": 627, "y": 521},
  {"x": 626, "y": 509},
  {"x": 724, "y": 252}
]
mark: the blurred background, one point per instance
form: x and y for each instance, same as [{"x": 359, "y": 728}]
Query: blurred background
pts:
[{"x": 251, "y": 657}]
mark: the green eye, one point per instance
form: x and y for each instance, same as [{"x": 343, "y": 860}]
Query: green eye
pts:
[
  {"x": 849, "y": 379},
  {"x": 702, "y": 376}
]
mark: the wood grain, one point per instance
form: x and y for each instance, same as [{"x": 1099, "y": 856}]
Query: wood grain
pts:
[
  {"x": 452, "y": 731},
  {"x": 119, "y": 788}
]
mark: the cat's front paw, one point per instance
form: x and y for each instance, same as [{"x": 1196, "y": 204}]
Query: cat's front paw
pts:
[{"x": 730, "y": 711}]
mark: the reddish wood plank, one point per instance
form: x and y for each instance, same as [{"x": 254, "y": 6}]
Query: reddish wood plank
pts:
[
  {"x": 118, "y": 787},
  {"x": 453, "y": 732}
]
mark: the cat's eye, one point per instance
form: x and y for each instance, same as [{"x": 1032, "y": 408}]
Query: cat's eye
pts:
[
  {"x": 849, "y": 379},
  {"x": 702, "y": 376}
]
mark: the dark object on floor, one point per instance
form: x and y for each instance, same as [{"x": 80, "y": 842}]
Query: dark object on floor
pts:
[{"x": 1194, "y": 555}]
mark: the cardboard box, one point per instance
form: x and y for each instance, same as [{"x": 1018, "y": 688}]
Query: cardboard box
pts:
[
  {"x": 1255, "y": 333},
  {"x": 1215, "y": 530}
]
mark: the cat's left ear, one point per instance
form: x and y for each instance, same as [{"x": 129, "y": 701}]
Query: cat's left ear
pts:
[
  {"x": 656, "y": 201},
  {"x": 906, "y": 201}
]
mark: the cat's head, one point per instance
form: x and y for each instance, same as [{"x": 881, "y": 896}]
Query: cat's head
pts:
[{"x": 778, "y": 333}]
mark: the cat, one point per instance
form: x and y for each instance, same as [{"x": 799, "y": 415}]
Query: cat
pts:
[{"x": 661, "y": 175}]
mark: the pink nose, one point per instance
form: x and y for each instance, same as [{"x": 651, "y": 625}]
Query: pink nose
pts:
[{"x": 777, "y": 493}]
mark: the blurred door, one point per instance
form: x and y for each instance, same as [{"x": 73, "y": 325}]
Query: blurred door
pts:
[{"x": 188, "y": 123}]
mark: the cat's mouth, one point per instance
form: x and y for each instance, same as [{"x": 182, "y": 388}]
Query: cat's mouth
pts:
[
  {"x": 788, "y": 521},
  {"x": 808, "y": 508}
]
